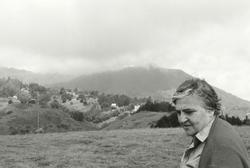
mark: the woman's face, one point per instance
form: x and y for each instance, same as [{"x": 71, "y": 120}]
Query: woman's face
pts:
[{"x": 192, "y": 114}]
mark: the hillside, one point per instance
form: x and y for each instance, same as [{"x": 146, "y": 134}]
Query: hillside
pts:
[
  {"x": 138, "y": 120},
  {"x": 158, "y": 83},
  {"x": 29, "y": 77},
  {"x": 23, "y": 118},
  {"x": 233, "y": 105},
  {"x": 130, "y": 81}
]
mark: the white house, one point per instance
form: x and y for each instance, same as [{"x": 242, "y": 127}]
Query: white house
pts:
[{"x": 114, "y": 106}]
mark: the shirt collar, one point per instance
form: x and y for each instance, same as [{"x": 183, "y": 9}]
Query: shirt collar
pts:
[{"x": 203, "y": 134}]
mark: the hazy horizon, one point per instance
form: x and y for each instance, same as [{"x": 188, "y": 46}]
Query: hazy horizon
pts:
[{"x": 206, "y": 39}]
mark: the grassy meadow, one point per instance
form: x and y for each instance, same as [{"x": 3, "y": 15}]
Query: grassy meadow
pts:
[{"x": 158, "y": 148}]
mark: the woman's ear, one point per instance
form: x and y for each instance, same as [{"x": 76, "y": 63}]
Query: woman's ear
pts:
[{"x": 210, "y": 112}]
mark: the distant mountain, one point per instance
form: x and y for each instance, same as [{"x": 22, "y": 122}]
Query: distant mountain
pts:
[
  {"x": 159, "y": 83},
  {"x": 28, "y": 76},
  {"x": 135, "y": 81}
]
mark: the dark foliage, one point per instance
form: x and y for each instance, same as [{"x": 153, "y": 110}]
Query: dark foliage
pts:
[
  {"x": 78, "y": 116},
  {"x": 66, "y": 96},
  {"x": 156, "y": 107},
  {"x": 235, "y": 120},
  {"x": 246, "y": 120},
  {"x": 44, "y": 99},
  {"x": 82, "y": 98},
  {"x": 36, "y": 89},
  {"x": 106, "y": 100},
  {"x": 55, "y": 104},
  {"x": 10, "y": 102},
  {"x": 167, "y": 121}
]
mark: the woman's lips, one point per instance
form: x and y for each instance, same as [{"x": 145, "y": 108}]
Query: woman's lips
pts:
[{"x": 186, "y": 126}]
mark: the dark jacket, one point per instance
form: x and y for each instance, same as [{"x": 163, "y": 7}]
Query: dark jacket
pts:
[{"x": 224, "y": 148}]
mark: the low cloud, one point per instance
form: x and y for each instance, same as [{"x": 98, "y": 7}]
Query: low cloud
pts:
[{"x": 209, "y": 39}]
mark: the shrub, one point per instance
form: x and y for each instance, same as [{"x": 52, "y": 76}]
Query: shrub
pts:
[
  {"x": 63, "y": 126},
  {"x": 55, "y": 104},
  {"x": 78, "y": 116},
  {"x": 13, "y": 131},
  {"x": 167, "y": 121},
  {"x": 9, "y": 112},
  {"x": 233, "y": 120},
  {"x": 24, "y": 96},
  {"x": 156, "y": 107},
  {"x": 44, "y": 99},
  {"x": 10, "y": 102}
]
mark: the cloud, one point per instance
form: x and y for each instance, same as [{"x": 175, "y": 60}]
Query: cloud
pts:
[
  {"x": 103, "y": 29},
  {"x": 209, "y": 39}
]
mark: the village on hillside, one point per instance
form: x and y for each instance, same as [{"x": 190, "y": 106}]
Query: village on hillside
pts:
[
  {"x": 32, "y": 108},
  {"x": 90, "y": 106}
]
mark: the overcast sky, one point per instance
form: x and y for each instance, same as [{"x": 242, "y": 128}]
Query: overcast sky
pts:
[{"x": 208, "y": 39}]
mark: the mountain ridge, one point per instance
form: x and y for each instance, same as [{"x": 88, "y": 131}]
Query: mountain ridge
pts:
[
  {"x": 159, "y": 83},
  {"x": 29, "y": 76},
  {"x": 115, "y": 81}
]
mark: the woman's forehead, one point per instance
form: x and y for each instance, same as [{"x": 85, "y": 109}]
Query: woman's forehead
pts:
[{"x": 191, "y": 101}]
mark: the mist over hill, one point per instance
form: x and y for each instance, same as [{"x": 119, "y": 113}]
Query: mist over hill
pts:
[
  {"x": 28, "y": 76},
  {"x": 136, "y": 81}
]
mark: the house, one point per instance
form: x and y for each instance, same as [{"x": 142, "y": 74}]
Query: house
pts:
[
  {"x": 13, "y": 99},
  {"x": 114, "y": 106},
  {"x": 136, "y": 107}
]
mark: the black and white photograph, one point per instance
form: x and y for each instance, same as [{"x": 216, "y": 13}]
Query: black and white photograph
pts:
[{"x": 124, "y": 84}]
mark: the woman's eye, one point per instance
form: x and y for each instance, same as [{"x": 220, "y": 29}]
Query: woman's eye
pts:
[
  {"x": 178, "y": 112},
  {"x": 188, "y": 111}
]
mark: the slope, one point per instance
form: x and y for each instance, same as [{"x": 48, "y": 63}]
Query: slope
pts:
[
  {"x": 29, "y": 77},
  {"x": 23, "y": 118},
  {"x": 136, "y": 81},
  {"x": 159, "y": 83}
]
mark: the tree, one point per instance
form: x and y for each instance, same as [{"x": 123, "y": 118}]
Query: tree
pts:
[
  {"x": 82, "y": 98},
  {"x": 234, "y": 120},
  {"x": 62, "y": 91},
  {"x": 122, "y": 100},
  {"x": 9, "y": 87},
  {"x": 43, "y": 99},
  {"x": 65, "y": 96},
  {"x": 78, "y": 116},
  {"x": 94, "y": 93},
  {"x": 156, "y": 106},
  {"x": 55, "y": 104},
  {"x": 36, "y": 89},
  {"x": 24, "y": 96}
]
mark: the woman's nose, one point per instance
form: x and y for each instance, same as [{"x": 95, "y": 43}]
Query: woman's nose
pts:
[{"x": 182, "y": 117}]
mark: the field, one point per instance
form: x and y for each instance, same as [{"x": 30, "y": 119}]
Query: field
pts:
[{"x": 158, "y": 148}]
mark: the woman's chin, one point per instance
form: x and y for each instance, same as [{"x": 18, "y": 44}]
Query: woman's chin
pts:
[{"x": 189, "y": 131}]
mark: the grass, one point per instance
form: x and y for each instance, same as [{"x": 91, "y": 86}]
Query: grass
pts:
[
  {"x": 138, "y": 120},
  {"x": 23, "y": 118},
  {"x": 158, "y": 148},
  {"x": 3, "y": 103}
]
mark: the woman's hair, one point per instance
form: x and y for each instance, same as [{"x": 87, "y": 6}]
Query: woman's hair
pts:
[{"x": 202, "y": 89}]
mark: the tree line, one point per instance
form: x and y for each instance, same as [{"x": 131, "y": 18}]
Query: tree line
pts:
[{"x": 171, "y": 119}]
